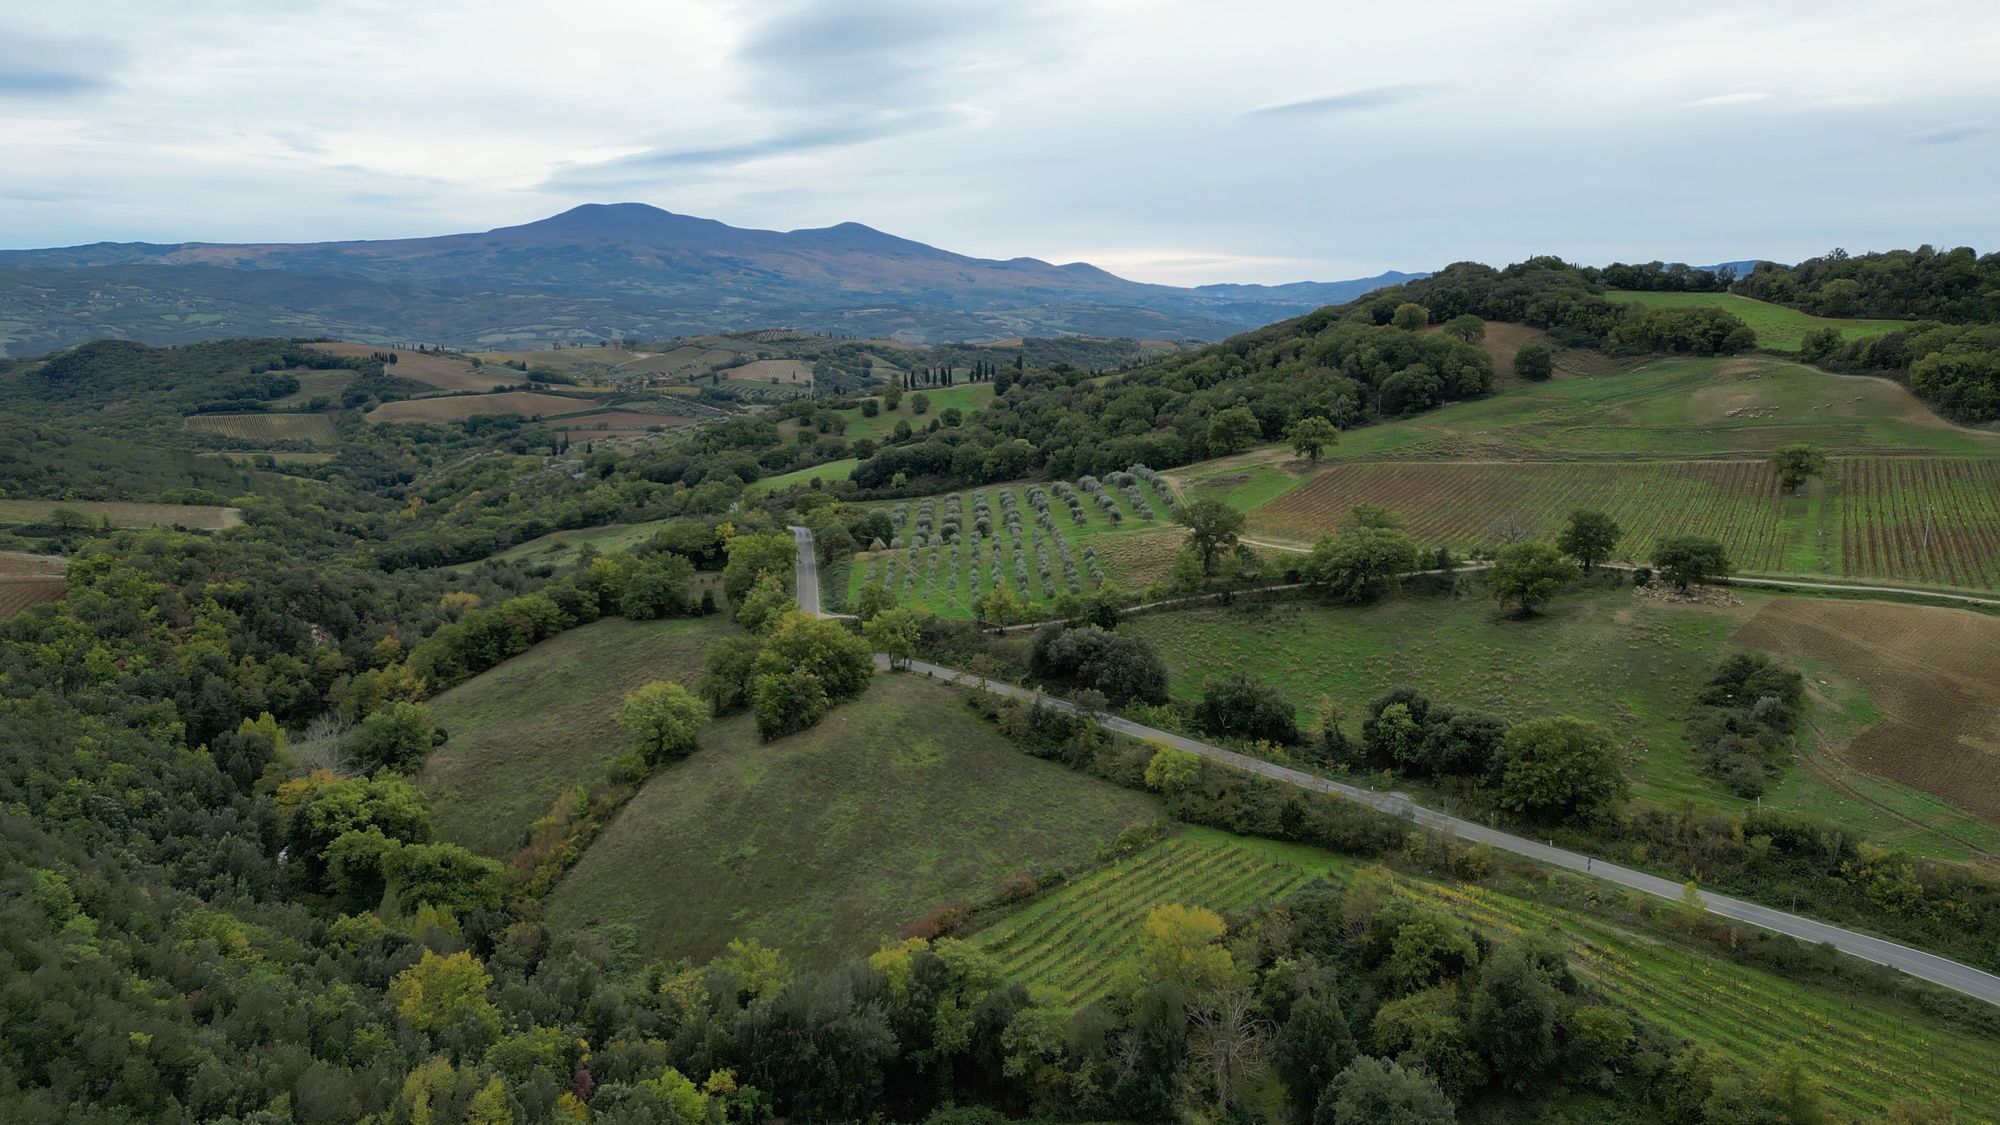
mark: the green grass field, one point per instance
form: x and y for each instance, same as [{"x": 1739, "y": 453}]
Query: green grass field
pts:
[
  {"x": 967, "y": 397},
  {"x": 1632, "y": 663},
  {"x": 1776, "y": 326},
  {"x": 541, "y": 722},
  {"x": 829, "y": 842},
  {"x": 559, "y": 548},
  {"x": 1869, "y": 1053},
  {"x": 1039, "y": 556},
  {"x": 828, "y": 473}
]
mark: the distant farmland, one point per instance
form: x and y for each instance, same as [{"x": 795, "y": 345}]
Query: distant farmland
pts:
[
  {"x": 315, "y": 384},
  {"x": 457, "y": 408},
  {"x": 316, "y": 429},
  {"x": 28, "y": 580},
  {"x": 614, "y": 422},
  {"x": 202, "y": 517},
  {"x": 446, "y": 373},
  {"x": 1776, "y": 326}
]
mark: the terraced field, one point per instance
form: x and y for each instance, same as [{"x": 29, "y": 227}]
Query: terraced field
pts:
[
  {"x": 1074, "y": 941},
  {"x": 1039, "y": 541},
  {"x": 315, "y": 429}
]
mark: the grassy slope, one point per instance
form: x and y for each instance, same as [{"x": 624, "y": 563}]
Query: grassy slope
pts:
[
  {"x": 1075, "y": 940},
  {"x": 1633, "y": 664},
  {"x": 526, "y": 730},
  {"x": 560, "y": 547},
  {"x": 1776, "y": 326},
  {"x": 827, "y": 473},
  {"x": 968, "y": 397},
  {"x": 830, "y": 841}
]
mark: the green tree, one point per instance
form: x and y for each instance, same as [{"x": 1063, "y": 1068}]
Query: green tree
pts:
[
  {"x": 1589, "y": 537},
  {"x": 753, "y": 555},
  {"x": 1783, "y": 1092},
  {"x": 1239, "y": 707},
  {"x": 1469, "y": 328},
  {"x": 1560, "y": 768},
  {"x": 659, "y": 586},
  {"x": 398, "y": 737},
  {"x": 872, "y": 599},
  {"x": 1529, "y": 575},
  {"x": 1314, "y": 1046},
  {"x": 1410, "y": 317},
  {"x": 1172, "y": 770},
  {"x": 1181, "y": 947},
  {"x": 1212, "y": 525},
  {"x": 892, "y": 397},
  {"x": 1233, "y": 431},
  {"x": 787, "y": 702},
  {"x": 1796, "y": 464},
  {"x": 920, "y": 403},
  {"x": 1377, "y": 1092},
  {"x": 1311, "y": 435},
  {"x": 1361, "y": 561},
  {"x": 894, "y": 633},
  {"x": 823, "y": 648},
  {"x": 1534, "y": 362},
  {"x": 1513, "y": 1018},
  {"x": 1686, "y": 560},
  {"x": 766, "y": 602},
  {"x": 438, "y": 992},
  {"x": 666, "y": 719}
]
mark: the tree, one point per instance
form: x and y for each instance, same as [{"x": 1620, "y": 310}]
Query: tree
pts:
[
  {"x": 666, "y": 718},
  {"x": 1312, "y": 1048},
  {"x": 1181, "y": 947},
  {"x": 1469, "y": 328},
  {"x": 437, "y": 992},
  {"x": 1560, "y": 768},
  {"x": 1589, "y": 537},
  {"x": 1796, "y": 464},
  {"x": 873, "y": 598},
  {"x": 1534, "y": 362},
  {"x": 1242, "y": 708},
  {"x": 819, "y": 647},
  {"x": 1378, "y": 1092},
  {"x": 659, "y": 586},
  {"x": 920, "y": 403},
  {"x": 1311, "y": 435},
  {"x": 767, "y": 601},
  {"x": 1528, "y": 575},
  {"x": 1172, "y": 769},
  {"x": 786, "y": 702},
  {"x": 753, "y": 555},
  {"x": 894, "y": 633},
  {"x": 1410, "y": 317},
  {"x": 1513, "y": 1018},
  {"x": 1780, "y": 1091},
  {"x": 1686, "y": 560},
  {"x": 1233, "y": 431},
  {"x": 1212, "y": 525},
  {"x": 398, "y": 737},
  {"x": 1360, "y": 561},
  {"x": 892, "y": 397},
  {"x": 1123, "y": 667},
  {"x": 870, "y": 408}
]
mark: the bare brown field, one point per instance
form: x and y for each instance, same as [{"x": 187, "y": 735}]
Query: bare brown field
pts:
[
  {"x": 27, "y": 564},
  {"x": 768, "y": 371},
  {"x": 1929, "y": 670},
  {"x": 622, "y": 421},
  {"x": 446, "y": 373},
  {"x": 314, "y": 428},
  {"x": 458, "y": 408},
  {"x": 315, "y": 384},
  {"x": 18, "y": 595},
  {"x": 202, "y": 517}
]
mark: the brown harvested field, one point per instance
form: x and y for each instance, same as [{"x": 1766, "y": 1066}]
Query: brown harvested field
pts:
[
  {"x": 27, "y": 564},
  {"x": 315, "y": 384},
  {"x": 1502, "y": 340},
  {"x": 316, "y": 429},
  {"x": 767, "y": 371},
  {"x": 18, "y": 595},
  {"x": 1930, "y": 671},
  {"x": 457, "y": 408},
  {"x": 1469, "y": 503},
  {"x": 446, "y": 373},
  {"x": 622, "y": 421},
  {"x": 202, "y": 517}
]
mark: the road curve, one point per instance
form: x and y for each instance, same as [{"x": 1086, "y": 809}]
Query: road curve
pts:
[{"x": 1926, "y": 966}]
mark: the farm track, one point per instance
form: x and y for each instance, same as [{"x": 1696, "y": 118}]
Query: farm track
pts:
[{"x": 1942, "y": 971}]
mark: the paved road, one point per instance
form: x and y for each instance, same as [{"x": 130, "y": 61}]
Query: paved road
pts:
[
  {"x": 1927, "y": 966},
  {"x": 806, "y": 571}
]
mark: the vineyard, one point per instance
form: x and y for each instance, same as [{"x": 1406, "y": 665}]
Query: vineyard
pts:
[
  {"x": 1868, "y": 1055},
  {"x": 316, "y": 429},
  {"x": 457, "y": 408},
  {"x": 1074, "y": 941},
  {"x": 1912, "y": 519},
  {"x": 1037, "y": 542},
  {"x": 18, "y": 595}
]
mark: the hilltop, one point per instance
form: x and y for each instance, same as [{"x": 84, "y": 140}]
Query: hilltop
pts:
[{"x": 605, "y": 271}]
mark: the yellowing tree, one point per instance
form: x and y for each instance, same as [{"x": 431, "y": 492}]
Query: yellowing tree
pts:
[
  {"x": 437, "y": 992},
  {"x": 1181, "y": 947}
]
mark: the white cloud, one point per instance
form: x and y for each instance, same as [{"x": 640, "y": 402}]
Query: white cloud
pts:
[{"x": 1741, "y": 97}]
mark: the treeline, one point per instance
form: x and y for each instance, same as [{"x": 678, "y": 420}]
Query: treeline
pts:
[{"x": 1957, "y": 286}]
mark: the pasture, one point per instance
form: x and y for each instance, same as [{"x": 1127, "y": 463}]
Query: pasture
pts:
[
  {"x": 765, "y": 372},
  {"x": 445, "y": 372},
  {"x": 558, "y": 548},
  {"x": 828, "y": 843},
  {"x": 966, "y": 397},
  {"x": 1634, "y": 664},
  {"x": 525, "y": 731},
  {"x": 119, "y": 513},
  {"x": 1039, "y": 541},
  {"x": 315, "y": 384},
  {"x": 1777, "y": 326},
  {"x": 828, "y": 473},
  {"x": 1075, "y": 940},
  {"x": 457, "y": 408},
  {"x": 312, "y": 429}
]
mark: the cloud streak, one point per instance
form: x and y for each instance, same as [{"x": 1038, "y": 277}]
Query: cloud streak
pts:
[
  {"x": 1951, "y": 134},
  {"x": 658, "y": 165},
  {"x": 1353, "y": 101}
]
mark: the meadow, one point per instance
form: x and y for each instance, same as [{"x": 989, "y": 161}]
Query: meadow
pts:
[
  {"x": 829, "y": 472},
  {"x": 313, "y": 429},
  {"x": 559, "y": 548},
  {"x": 1041, "y": 541},
  {"x": 1777, "y": 327},
  {"x": 120, "y": 513},
  {"x": 966, "y": 397},
  {"x": 829, "y": 843},
  {"x": 1074, "y": 941},
  {"x": 315, "y": 384},
  {"x": 457, "y": 408},
  {"x": 532, "y": 727},
  {"x": 1634, "y": 664},
  {"x": 618, "y": 423}
]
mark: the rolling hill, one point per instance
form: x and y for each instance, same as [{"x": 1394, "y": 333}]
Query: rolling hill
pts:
[{"x": 604, "y": 271}]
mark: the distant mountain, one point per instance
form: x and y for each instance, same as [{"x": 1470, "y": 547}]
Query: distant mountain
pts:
[{"x": 605, "y": 270}]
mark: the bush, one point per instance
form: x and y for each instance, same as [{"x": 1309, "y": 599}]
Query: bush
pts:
[
  {"x": 1121, "y": 666},
  {"x": 1238, "y": 707}
]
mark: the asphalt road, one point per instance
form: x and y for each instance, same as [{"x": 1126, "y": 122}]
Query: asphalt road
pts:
[{"x": 1926, "y": 966}]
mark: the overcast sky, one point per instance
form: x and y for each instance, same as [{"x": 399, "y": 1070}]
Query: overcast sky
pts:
[{"x": 1167, "y": 140}]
